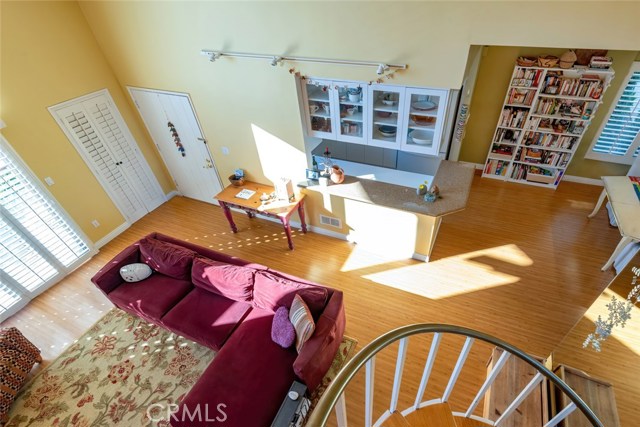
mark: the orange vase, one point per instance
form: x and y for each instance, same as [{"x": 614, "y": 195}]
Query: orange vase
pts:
[{"x": 337, "y": 175}]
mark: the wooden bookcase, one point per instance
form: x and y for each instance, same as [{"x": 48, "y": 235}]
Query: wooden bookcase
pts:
[{"x": 545, "y": 114}]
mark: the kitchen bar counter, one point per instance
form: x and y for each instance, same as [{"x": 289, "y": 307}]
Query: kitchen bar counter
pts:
[
  {"x": 452, "y": 178},
  {"x": 378, "y": 212}
]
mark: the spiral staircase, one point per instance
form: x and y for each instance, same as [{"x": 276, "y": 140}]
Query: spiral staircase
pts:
[{"x": 439, "y": 412}]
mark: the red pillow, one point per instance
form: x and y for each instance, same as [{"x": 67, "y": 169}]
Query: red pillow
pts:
[
  {"x": 167, "y": 258},
  {"x": 231, "y": 281},
  {"x": 271, "y": 291}
]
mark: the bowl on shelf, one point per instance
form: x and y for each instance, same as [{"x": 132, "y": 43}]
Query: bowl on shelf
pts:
[
  {"x": 387, "y": 130},
  {"x": 424, "y": 105},
  {"x": 388, "y": 102},
  {"x": 383, "y": 114},
  {"x": 548, "y": 61},
  {"x": 422, "y": 120},
  {"x": 422, "y": 137},
  {"x": 527, "y": 61},
  {"x": 236, "y": 182}
]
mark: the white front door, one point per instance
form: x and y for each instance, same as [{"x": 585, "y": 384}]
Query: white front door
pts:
[{"x": 182, "y": 145}]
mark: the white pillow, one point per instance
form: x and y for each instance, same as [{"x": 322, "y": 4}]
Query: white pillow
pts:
[{"x": 135, "y": 272}]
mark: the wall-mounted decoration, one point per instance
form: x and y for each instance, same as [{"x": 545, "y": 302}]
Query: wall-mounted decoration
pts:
[{"x": 176, "y": 139}]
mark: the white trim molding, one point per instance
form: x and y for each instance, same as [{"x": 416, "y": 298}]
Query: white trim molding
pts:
[{"x": 112, "y": 235}]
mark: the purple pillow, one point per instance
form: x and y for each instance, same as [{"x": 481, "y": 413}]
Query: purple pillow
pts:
[
  {"x": 231, "y": 281},
  {"x": 282, "y": 331},
  {"x": 167, "y": 258}
]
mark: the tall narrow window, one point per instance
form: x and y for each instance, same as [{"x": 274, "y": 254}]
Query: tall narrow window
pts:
[
  {"x": 38, "y": 245},
  {"x": 618, "y": 139}
]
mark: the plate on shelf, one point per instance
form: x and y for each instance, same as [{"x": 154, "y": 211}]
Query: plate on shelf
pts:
[
  {"x": 387, "y": 130},
  {"x": 421, "y": 137},
  {"x": 424, "y": 105}
]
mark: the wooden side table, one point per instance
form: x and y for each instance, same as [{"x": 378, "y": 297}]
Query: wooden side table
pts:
[{"x": 280, "y": 209}]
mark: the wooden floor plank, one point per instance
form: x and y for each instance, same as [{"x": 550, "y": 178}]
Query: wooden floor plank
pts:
[{"x": 521, "y": 263}]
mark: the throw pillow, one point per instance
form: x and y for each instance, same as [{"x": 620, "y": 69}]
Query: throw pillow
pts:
[
  {"x": 302, "y": 321},
  {"x": 167, "y": 258},
  {"x": 282, "y": 330},
  {"x": 272, "y": 291},
  {"x": 135, "y": 272},
  {"x": 231, "y": 281}
]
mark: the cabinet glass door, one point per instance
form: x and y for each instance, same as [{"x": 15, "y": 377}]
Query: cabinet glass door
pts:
[
  {"x": 351, "y": 99},
  {"x": 384, "y": 120},
  {"x": 422, "y": 128},
  {"x": 318, "y": 104}
]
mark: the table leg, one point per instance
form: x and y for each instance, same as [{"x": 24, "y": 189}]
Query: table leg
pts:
[
  {"x": 303, "y": 223},
  {"x": 287, "y": 230},
  {"x": 598, "y": 204},
  {"x": 623, "y": 244},
  {"x": 227, "y": 213}
]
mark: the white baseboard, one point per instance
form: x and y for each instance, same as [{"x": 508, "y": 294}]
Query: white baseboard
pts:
[
  {"x": 109, "y": 237},
  {"x": 420, "y": 257},
  {"x": 583, "y": 180},
  {"x": 170, "y": 195}
]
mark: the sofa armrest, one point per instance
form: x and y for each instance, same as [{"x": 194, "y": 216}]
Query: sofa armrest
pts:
[
  {"x": 108, "y": 277},
  {"x": 318, "y": 353}
]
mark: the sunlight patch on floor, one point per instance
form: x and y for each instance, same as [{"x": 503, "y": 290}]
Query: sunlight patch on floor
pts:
[
  {"x": 454, "y": 275},
  {"x": 363, "y": 257},
  {"x": 628, "y": 336}
]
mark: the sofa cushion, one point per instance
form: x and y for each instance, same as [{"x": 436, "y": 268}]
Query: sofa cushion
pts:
[
  {"x": 167, "y": 258},
  {"x": 271, "y": 291},
  {"x": 206, "y": 317},
  {"x": 282, "y": 331},
  {"x": 151, "y": 298},
  {"x": 250, "y": 375},
  {"x": 232, "y": 281}
]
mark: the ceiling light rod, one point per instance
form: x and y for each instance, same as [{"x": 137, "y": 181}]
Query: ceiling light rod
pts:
[{"x": 274, "y": 59}]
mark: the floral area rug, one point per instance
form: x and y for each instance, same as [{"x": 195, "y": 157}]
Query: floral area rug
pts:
[{"x": 116, "y": 371}]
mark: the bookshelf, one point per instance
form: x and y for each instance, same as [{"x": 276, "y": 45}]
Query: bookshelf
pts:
[{"x": 545, "y": 113}]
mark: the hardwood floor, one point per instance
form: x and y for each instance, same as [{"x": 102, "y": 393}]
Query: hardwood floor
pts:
[{"x": 521, "y": 263}]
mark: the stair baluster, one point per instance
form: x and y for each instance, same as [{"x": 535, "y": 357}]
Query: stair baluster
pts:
[
  {"x": 456, "y": 371},
  {"x": 428, "y": 366}
]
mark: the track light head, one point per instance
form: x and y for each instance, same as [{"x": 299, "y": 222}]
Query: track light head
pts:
[
  {"x": 275, "y": 60},
  {"x": 210, "y": 54},
  {"x": 381, "y": 69}
]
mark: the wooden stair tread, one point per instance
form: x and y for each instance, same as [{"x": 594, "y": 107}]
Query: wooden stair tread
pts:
[
  {"x": 438, "y": 415},
  {"x": 513, "y": 377},
  {"x": 597, "y": 394},
  {"x": 468, "y": 422},
  {"x": 396, "y": 420}
]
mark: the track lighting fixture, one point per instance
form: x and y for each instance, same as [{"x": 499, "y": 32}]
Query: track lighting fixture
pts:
[
  {"x": 381, "y": 69},
  {"x": 274, "y": 60}
]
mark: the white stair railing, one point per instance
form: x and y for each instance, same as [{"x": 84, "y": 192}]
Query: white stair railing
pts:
[{"x": 334, "y": 397}]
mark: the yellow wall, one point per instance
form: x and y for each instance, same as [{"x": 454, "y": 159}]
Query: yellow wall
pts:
[
  {"x": 49, "y": 55},
  {"x": 491, "y": 86}
]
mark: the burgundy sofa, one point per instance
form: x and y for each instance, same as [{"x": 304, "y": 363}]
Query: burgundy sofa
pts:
[{"x": 227, "y": 304}]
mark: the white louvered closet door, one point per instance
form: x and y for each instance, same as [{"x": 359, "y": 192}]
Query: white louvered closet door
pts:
[{"x": 94, "y": 125}]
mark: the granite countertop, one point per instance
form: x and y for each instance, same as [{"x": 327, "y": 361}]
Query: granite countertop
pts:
[{"x": 453, "y": 178}]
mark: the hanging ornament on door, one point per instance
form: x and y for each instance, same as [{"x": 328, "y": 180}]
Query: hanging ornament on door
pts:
[{"x": 176, "y": 138}]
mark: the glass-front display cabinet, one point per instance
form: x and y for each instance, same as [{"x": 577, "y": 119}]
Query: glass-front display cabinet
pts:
[
  {"x": 350, "y": 99},
  {"x": 318, "y": 102},
  {"x": 424, "y": 114},
  {"x": 386, "y": 105}
]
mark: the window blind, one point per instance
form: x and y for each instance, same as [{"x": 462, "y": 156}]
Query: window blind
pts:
[
  {"x": 38, "y": 246},
  {"x": 620, "y": 133}
]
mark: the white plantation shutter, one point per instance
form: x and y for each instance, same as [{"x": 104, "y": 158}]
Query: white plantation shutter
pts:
[
  {"x": 96, "y": 129},
  {"x": 38, "y": 246},
  {"x": 618, "y": 140}
]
